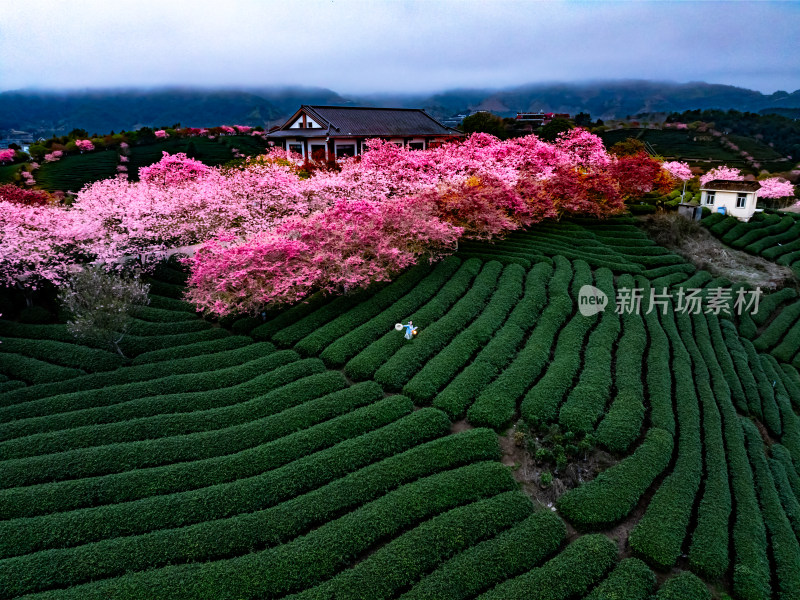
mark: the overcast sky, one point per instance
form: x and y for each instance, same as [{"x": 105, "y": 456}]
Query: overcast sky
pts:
[{"x": 358, "y": 46}]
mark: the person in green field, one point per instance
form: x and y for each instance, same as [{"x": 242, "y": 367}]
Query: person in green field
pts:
[{"x": 411, "y": 331}]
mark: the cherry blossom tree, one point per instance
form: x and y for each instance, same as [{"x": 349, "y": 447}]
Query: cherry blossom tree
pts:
[
  {"x": 722, "y": 172},
  {"x": 161, "y": 134},
  {"x": 84, "y": 145},
  {"x": 677, "y": 170},
  {"x": 775, "y": 187},
  {"x": 7, "y": 156}
]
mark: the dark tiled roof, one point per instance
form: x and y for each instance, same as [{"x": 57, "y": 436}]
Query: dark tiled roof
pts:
[
  {"x": 378, "y": 122},
  {"x": 724, "y": 185},
  {"x": 300, "y": 133}
]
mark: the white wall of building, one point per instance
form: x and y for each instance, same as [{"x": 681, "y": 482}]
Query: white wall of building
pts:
[{"x": 728, "y": 200}]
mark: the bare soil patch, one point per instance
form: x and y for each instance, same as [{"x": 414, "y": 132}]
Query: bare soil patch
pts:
[{"x": 694, "y": 243}]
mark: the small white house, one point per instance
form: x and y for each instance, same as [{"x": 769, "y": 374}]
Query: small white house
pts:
[{"x": 735, "y": 198}]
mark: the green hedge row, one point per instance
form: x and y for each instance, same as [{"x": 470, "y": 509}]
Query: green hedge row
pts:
[
  {"x": 496, "y": 404},
  {"x": 751, "y": 571},
  {"x": 168, "y": 290},
  {"x": 789, "y": 258},
  {"x": 788, "y": 499},
  {"x": 226, "y": 352},
  {"x": 789, "y": 346},
  {"x": 668, "y": 281},
  {"x": 172, "y": 304},
  {"x": 587, "y": 401},
  {"x": 504, "y": 258},
  {"x": 684, "y": 586},
  {"x": 34, "y": 371},
  {"x": 146, "y": 328},
  {"x": 780, "y": 325},
  {"x": 782, "y": 455},
  {"x": 741, "y": 229},
  {"x": 440, "y": 369},
  {"x": 287, "y": 317},
  {"x": 540, "y": 405},
  {"x": 740, "y": 360},
  {"x": 240, "y": 370},
  {"x": 750, "y": 240},
  {"x": 10, "y": 385},
  {"x": 274, "y": 394},
  {"x": 368, "y": 361},
  {"x": 401, "y": 562},
  {"x": 787, "y": 230},
  {"x": 59, "y": 530},
  {"x": 239, "y": 534},
  {"x": 569, "y": 575},
  {"x": 660, "y": 533},
  {"x": 708, "y": 551},
  {"x": 216, "y": 389},
  {"x": 712, "y": 220},
  {"x": 792, "y": 380},
  {"x": 433, "y": 338},
  {"x": 328, "y": 419},
  {"x": 725, "y": 363},
  {"x": 784, "y": 544},
  {"x": 659, "y": 369},
  {"x": 190, "y": 350},
  {"x": 777, "y": 252},
  {"x": 162, "y": 315},
  {"x": 283, "y": 419},
  {"x": 65, "y": 355},
  {"x": 669, "y": 270},
  {"x": 630, "y": 580},
  {"x": 508, "y": 554},
  {"x": 456, "y": 398},
  {"x": 133, "y": 345},
  {"x": 316, "y": 341},
  {"x": 723, "y": 226},
  {"x": 355, "y": 337},
  {"x": 317, "y": 556},
  {"x": 623, "y": 422},
  {"x": 790, "y": 422},
  {"x": 614, "y": 493},
  {"x": 297, "y": 330},
  {"x": 769, "y": 406},
  {"x": 697, "y": 281}
]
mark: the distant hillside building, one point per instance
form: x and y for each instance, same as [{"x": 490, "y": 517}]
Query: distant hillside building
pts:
[
  {"x": 324, "y": 132},
  {"x": 736, "y": 198}
]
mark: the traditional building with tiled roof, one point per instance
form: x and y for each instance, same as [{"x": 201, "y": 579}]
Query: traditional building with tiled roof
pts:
[
  {"x": 736, "y": 198},
  {"x": 324, "y": 132}
]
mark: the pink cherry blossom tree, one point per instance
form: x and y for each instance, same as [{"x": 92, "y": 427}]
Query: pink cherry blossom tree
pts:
[
  {"x": 723, "y": 172},
  {"x": 84, "y": 145}
]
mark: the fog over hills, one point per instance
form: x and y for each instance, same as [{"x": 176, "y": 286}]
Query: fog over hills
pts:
[{"x": 100, "y": 111}]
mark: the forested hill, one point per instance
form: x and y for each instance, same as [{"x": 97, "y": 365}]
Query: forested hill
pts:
[{"x": 43, "y": 112}]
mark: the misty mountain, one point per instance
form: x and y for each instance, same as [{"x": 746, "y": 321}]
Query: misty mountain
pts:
[{"x": 105, "y": 110}]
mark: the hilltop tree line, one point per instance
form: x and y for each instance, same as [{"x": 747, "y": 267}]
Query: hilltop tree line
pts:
[{"x": 780, "y": 132}]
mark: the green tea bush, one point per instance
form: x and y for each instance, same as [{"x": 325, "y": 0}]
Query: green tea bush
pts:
[
  {"x": 784, "y": 544},
  {"x": 146, "y": 398},
  {"x": 508, "y": 554},
  {"x": 570, "y": 574},
  {"x": 316, "y": 341},
  {"x": 684, "y": 586},
  {"x": 60, "y": 530},
  {"x": 442, "y": 367},
  {"x": 244, "y": 403},
  {"x": 456, "y": 398},
  {"x": 495, "y": 406},
  {"x": 473, "y": 493},
  {"x": 358, "y": 413},
  {"x": 365, "y": 364},
  {"x": 409, "y": 359},
  {"x": 631, "y": 579},
  {"x": 34, "y": 371},
  {"x": 359, "y": 337}
]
